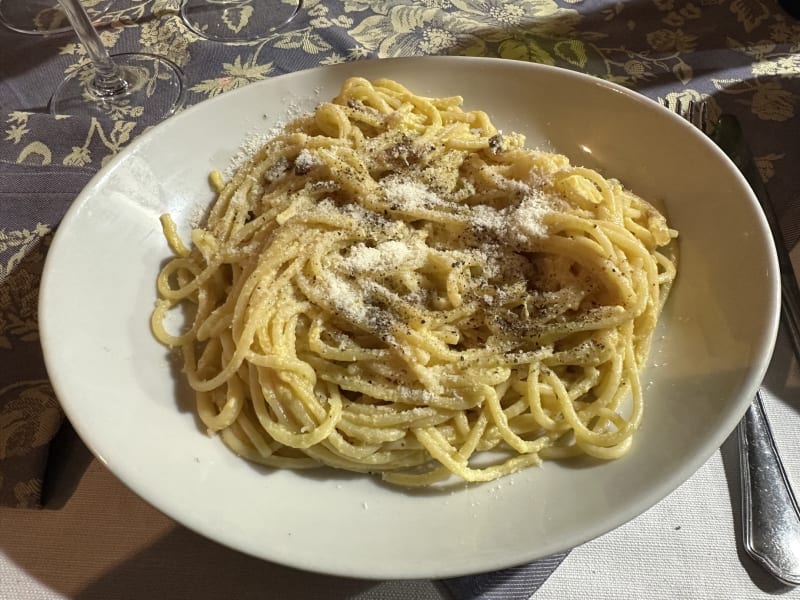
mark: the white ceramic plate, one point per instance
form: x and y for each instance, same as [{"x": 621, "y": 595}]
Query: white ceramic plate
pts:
[{"x": 129, "y": 405}]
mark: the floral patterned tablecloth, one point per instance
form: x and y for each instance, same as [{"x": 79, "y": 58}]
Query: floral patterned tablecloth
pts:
[{"x": 742, "y": 56}]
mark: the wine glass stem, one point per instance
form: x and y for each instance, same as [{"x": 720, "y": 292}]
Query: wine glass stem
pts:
[{"x": 108, "y": 80}]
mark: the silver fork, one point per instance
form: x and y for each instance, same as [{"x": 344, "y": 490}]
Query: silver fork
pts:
[{"x": 770, "y": 514}]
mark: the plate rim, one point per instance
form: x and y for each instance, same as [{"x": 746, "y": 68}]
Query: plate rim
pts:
[{"x": 48, "y": 331}]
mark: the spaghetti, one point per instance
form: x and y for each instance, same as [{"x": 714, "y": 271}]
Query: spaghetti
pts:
[{"x": 391, "y": 285}]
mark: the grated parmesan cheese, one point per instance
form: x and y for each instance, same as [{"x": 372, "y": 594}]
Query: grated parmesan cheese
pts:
[
  {"x": 407, "y": 194},
  {"x": 525, "y": 222},
  {"x": 385, "y": 256}
]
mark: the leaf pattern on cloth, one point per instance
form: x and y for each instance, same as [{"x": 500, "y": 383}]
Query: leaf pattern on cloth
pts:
[
  {"x": 22, "y": 254},
  {"x": 29, "y": 419},
  {"x": 610, "y": 39}
]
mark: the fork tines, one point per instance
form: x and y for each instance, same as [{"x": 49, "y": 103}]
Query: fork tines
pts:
[{"x": 696, "y": 112}]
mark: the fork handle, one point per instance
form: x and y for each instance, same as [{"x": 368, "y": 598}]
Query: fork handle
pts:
[{"x": 771, "y": 520}]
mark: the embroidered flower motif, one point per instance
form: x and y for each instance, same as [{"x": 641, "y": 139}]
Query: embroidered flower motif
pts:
[
  {"x": 750, "y": 13},
  {"x": 166, "y": 37},
  {"x": 666, "y": 40},
  {"x": 784, "y": 66},
  {"x": 19, "y": 117},
  {"x": 530, "y": 18},
  {"x": 238, "y": 74},
  {"x": 773, "y": 103},
  {"x": 409, "y": 30},
  {"x": 15, "y": 133},
  {"x": 79, "y": 157},
  {"x": 28, "y": 493},
  {"x": 784, "y": 33},
  {"x": 22, "y": 255},
  {"x": 637, "y": 70},
  {"x": 29, "y": 417}
]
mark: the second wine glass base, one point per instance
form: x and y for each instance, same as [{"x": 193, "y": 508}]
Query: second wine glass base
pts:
[
  {"x": 237, "y": 20},
  {"x": 41, "y": 17},
  {"x": 154, "y": 90}
]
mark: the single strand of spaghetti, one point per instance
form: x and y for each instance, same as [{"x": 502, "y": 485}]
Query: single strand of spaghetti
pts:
[
  {"x": 283, "y": 326},
  {"x": 422, "y": 105},
  {"x": 563, "y": 221},
  {"x": 371, "y": 435},
  {"x": 607, "y": 453},
  {"x": 500, "y": 420},
  {"x": 332, "y": 120},
  {"x": 642, "y": 233},
  {"x": 441, "y": 352},
  {"x": 467, "y": 144},
  {"x": 360, "y": 89},
  {"x": 396, "y": 415},
  {"x": 204, "y": 305},
  {"x": 409, "y": 479},
  {"x": 611, "y": 206},
  {"x": 226, "y": 223},
  {"x": 350, "y": 353},
  {"x": 474, "y": 435},
  {"x": 216, "y": 322},
  {"x": 612, "y": 373},
  {"x": 391, "y": 393},
  {"x": 409, "y": 420},
  {"x": 173, "y": 239},
  {"x": 244, "y": 439},
  {"x": 170, "y": 270},
  {"x": 579, "y": 191},
  {"x": 667, "y": 269},
  {"x": 262, "y": 276},
  {"x": 568, "y": 411},
  {"x": 372, "y": 463},
  {"x": 160, "y": 332},
  {"x": 260, "y": 383},
  {"x": 243, "y": 429},
  {"x": 216, "y": 418},
  {"x": 243, "y": 342},
  {"x": 512, "y": 404},
  {"x": 338, "y": 445},
  {"x": 364, "y": 115},
  {"x": 444, "y": 453},
  {"x": 534, "y": 396},
  {"x": 585, "y": 249},
  {"x": 281, "y": 432},
  {"x": 223, "y": 200},
  {"x": 633, "y": 248},
  {"x": 299, "y": 393}
]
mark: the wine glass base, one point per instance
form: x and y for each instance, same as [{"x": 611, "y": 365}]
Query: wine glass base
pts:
[
  {"x": 237, "y": 20},
  {"x": 155, "y": 90},
  {"x": 41, "y": 17}
]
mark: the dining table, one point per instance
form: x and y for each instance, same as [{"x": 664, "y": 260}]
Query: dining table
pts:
[{"x": 69, "y": 528}]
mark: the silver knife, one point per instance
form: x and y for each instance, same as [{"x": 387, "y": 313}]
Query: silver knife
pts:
[{"x": 770, "y": 514}]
